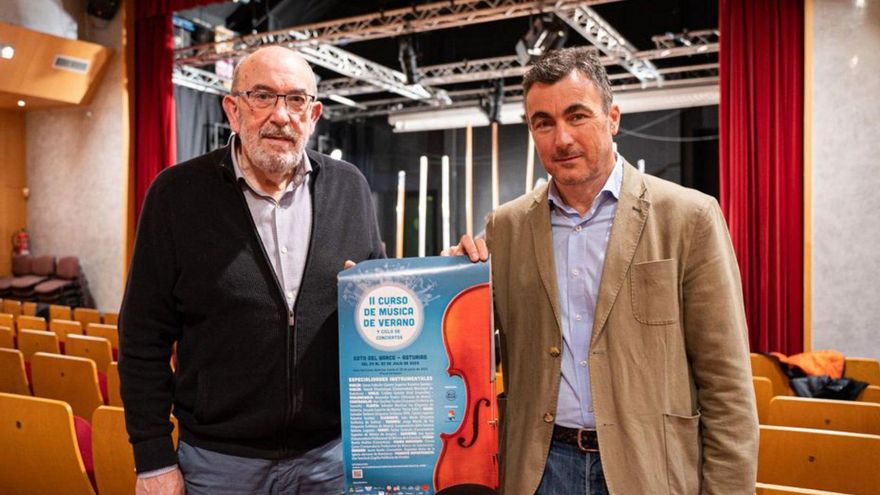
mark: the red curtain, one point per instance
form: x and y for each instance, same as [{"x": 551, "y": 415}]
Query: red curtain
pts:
[
  {"x": 761, "y": 170},
  {"x": 155, "y": 147}
]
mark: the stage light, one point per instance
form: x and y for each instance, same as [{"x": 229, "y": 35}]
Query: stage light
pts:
[
  {"x": 491, "y": 104},
  {"x": 545, "y": 33},
  {"x": 346, "y": 101},
  {"x": 7, "y": 51},
  {"x": 21, "y": 103},
  {"x": 336, "y": 154},
  {"x": 408, "y": 59}
]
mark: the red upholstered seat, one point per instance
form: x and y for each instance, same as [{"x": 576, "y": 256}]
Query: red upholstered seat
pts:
[
  {"x": 26, "y": 281},
  {"x": 42, "y": 268},
  {"x": 27, "y": 372},
  {"x": 22, "y": 265},
  {"x": 66, "y": 273},
  {"x": 102, "y": 384},
  {"x": 51, "y": 286},
  {"x": 84, "y": 441}
]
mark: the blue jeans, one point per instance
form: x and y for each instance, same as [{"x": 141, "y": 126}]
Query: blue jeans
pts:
[
  {"x": 316, "y": 472},
  {"x": 571, "y": 472}
]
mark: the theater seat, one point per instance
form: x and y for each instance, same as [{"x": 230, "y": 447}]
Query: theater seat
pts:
[
  {"x": 63, "y": 288},
  {"x": 819, "y": 459},
  {"x": 825, "y": 414},
  {"x": 23, "y": 287},
  {"x": 114, "y": 396},
  {"x": 7, "y": 338},
  {"x": 21, "y": 267},
  {"x": 12, "y": 307},
  {"x": 768, "y": 489},
  {"x": 40, "y": 453},
  {"x": 86, "y": 316},
  {"x": 13, "y": 377},
  {"x": 113, "y": 455},
  {"x": 71, "y": 379}
]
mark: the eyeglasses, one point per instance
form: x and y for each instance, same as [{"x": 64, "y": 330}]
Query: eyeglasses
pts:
[{"x": 262, "y": 100}]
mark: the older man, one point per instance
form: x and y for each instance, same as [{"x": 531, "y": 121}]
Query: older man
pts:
[
  {"x": 619, "y": 302},
  {"x": 235, "y": 262}
]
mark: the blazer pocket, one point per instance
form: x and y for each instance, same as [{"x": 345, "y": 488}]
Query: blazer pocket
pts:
[
  {"x": 654, "y": 286},
  {"x": 683, "y": 445}
]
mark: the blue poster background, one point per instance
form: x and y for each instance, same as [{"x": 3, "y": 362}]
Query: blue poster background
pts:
[{"x": 396, "y": 394}]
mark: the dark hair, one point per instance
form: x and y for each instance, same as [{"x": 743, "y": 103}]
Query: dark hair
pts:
[{"x": 558, "y": 64}]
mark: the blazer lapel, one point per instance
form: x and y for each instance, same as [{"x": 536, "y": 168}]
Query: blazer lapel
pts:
[
  {"x": 542, "y": 236},
  {"x": 629, "y": 220}
]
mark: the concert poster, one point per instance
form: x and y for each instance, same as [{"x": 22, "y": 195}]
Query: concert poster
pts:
[{"x": 417, "y": 370}]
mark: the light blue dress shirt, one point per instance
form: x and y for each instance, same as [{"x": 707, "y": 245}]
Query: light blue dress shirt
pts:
[
  {"x": 579, "y": 245},
  {"x": 285, "y": 226}
]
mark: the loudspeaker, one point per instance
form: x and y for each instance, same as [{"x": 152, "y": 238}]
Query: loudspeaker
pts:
[{"x": 104, "y": 9}]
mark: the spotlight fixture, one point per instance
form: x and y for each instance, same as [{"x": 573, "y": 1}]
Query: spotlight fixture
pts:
[
  {"x": 408, "y": 59},
  {"x": 491, "y": 103},
  {"x": 545, "y": 33},
  {"x": 7, "y": 51}
]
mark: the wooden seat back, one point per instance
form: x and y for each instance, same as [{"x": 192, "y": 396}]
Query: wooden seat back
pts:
[
  {"x": 108, "y": 332},
  {"x": 112, "y": 453},
  {"x": 32, "y": 341},
  {"x": 824, "y": 414},
  {"x": 13, "y": 379},
  {"x": 94, "y": 348},
  {"x": 32, "y": 323},
  {"x": 863, "y": 370},
  {"x": 763, "y": 393},
  {"x": 71, "y": 379},
  {"x": 764, "y": 366},
  {"x": 819, "y": 459},
  {"x": 40, "y": 452}
]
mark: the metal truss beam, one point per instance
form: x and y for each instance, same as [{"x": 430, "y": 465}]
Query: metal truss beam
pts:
[
  {"x": 687, "y": 38},
  {"x": 418, "y": 18},
  {"x": 597, "y": 31},
  {"x": 471, "y": 97},
  {"x": 200, "y": 80},
  {"x": 494, "y": 68},
  {"x": 351, "y": 65}
]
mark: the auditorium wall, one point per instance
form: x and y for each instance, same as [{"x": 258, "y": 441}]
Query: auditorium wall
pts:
[
  {"x": 77, "y": 174},
  {"x": 845, "y": 180},
  {"x": 13, "y": 211}
]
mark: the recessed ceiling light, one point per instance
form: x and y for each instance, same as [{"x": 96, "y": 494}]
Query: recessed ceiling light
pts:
[
  {"x": 7, "y": 51},
  {"x": 21, "y": 103}
]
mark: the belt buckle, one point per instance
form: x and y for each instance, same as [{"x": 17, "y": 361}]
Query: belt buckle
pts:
[{"x": 580, "y": 441}]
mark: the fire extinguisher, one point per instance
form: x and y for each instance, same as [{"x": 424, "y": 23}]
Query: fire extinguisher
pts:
[{"x": 20, "y": 242}]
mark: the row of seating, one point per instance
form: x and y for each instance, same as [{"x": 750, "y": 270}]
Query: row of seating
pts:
[
  {"x": 817, "y": 446},
  {"x": 47, "y": 449},
  {"x": 862, "y": 369},
  {"x": 39, "y": 278},
  {"x": 18, "y": 308}
]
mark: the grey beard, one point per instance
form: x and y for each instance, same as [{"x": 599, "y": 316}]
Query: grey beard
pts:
[{"x": 276, "y": 164}]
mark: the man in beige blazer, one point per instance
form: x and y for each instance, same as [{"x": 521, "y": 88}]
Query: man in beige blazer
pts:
[{"x": 629, "y": 375}]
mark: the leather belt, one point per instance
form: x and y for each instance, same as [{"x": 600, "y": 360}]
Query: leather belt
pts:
[{"x": 584, "y": 439}]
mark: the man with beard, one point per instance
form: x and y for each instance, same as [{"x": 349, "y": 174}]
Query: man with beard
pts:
[
  {"x": 235, "y": 262},
  {"x": 618, "y": 299}
]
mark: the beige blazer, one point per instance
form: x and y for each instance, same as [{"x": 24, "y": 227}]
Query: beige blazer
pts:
[{"x": 669, "y": 356}]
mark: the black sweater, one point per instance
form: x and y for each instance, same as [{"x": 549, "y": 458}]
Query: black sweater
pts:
[{"x": 248, "y": 383}]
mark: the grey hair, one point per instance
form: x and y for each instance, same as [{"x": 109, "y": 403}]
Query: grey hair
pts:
[{"x": 558, "y": 64}]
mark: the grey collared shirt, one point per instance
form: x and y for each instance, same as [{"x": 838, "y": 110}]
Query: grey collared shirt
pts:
[
  {"x": 579, "y": 246},
  {"x": 285, "y": 226}
]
